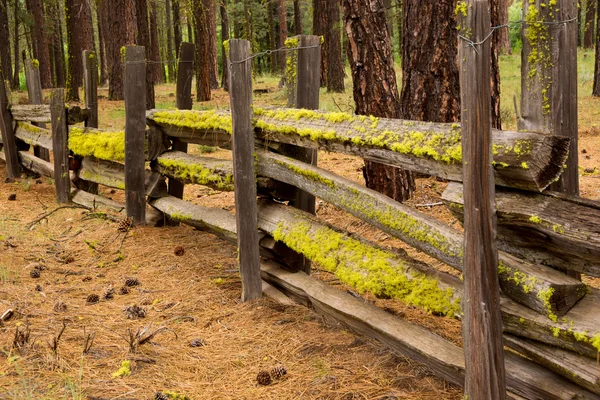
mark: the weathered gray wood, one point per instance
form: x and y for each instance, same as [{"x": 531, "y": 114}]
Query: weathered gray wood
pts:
[
  {"x": 33, "y": 135},
  {"x": 60, "y": 146},
  {"x": 482, "y": 321},
  {"x": 40, "y": 113},
  {"x": 291, "y": 70},
  {"x": 90, "y": 87},
  {"x": 34, "y": 90},
  {"x": 185, "y": 74},
  {"x": 9, "y": 144},
  {"x": 205, "y": 171},
  {"x": 243, "y": 167},
  {"x": 548, "y": 229},
  {"x": 579, "y": 369},
  {"x": 549, "y": 78},
  {"x": 308, "y": 82},
  {"x": 135, "y": 127},
  {"x": 522, "y": 281},
  {"x": 522, "y": 160},
  {"x": 37, "y": 165},
  {"x": 112, "y": 174},
  {"x": 94, "y": 201}
]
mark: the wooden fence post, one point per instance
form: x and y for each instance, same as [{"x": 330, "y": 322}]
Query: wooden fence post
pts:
[
  {"x": 60, "y": 148},
  {"x": 34, "y": 92},
  {"x": 243, "y": 168},
  {"x": 135, "y": 131},
  {"x": 482, "y": 322},
  {"x": 90, "y": 87},
  {"x": 185, "y": 74},
  {"x": 9, "y": 144}
]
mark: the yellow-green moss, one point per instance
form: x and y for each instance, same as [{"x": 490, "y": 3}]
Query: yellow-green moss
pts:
[
  {"x": 205, "y": 120},
  {"x": 308, "y": 174},
  {"x": 102, "y": 145},
  {"x": 535, "y": 219},
  {"x": 35, "y": 63},
  {"x": 545, "y": 296},
  {"x": 174, "y": 395},
  {"x": 197, "y": 173},
  {"x": 367, "y": 268},
  {"x": 524, "y": 165},
  {"x": 124, "y": 369},
  {"x": 461, "y": 8}
]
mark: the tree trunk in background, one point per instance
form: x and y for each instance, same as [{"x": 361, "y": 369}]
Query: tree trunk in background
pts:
[
  {"x": 170, "y": 57},
  {"x": 130, "y": 21},
  {"x": 387, "y": 5},
  {"x": 588, "y": 31},
  {"x": 177, "y": 27},
  {"x": 224, "y": 37},
  {"x": 79, "y": 37},
  {"x": 596, "y": 89},
  {"x": 214, "y": 66},
  {"x": 236, "y": 20},
  {"x": 5, "y": 58},
  {"x": 57, "y": 44},
  {"x": 283, "y": 33},
  {"x": 40, "y": 42},
  {"x": 15, "y": 80},
  {"x": 430, "y": 85},
  {"x": 333, "y": 38},
  {"x": 274, "y": 57},
  {"x": 143, "y": 39},
  {"x": 319, "y": 28},
  {"x": 116, "y": 37},
  {"x": 503, "y": 34},
  {"x": 399, "y": 22},
  {"x": 298, "y": 17},
  {"x": 190, "y": 24},
  {"x": 101, "y": 42},
  {"x": 497, "y": 18},
  {"x": 203, "y": 56},
  {"x": 374, "y": 84},
  {"x": 579, "y": 19},
  {"x": 158, "y": 72}
]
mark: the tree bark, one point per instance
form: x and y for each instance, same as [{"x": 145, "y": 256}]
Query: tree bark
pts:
[
  {"x": 497, "y": 18},
  {"x": 101, "y": 41},
  {"x": 214, "y": 66},
  {"x": 79, "y": 38},
  {"x": 283, "y": 32},
  {"x": 15, "y": 79},
  {"x": 588, "y": 27},
  {"x": 169, "y": 25},
  {"x": 57, "y": 45},
  {"x": 117, "y": 26},
  {"x": 143, "y": 39},
  {"x": 130, "y": 21},
  {"x": 400, "y": 24},
  {"x": 40, "y": 43},
  {"x": 319, "y": 28},
  {"x": 156, "y": 66},
  {"x": 203, "y": 56},
  {"x": 335, "y": 68},
  {"x": 374, "y": 85},
  {"x": 177, "y": 26},
  {"x": 5, "y": 58},
  {"x": 298, "y": 17},
  {"x": 274, "y": 57},
  {"x": 224, "y": 37},
  {"x": 596, "y": 88}
]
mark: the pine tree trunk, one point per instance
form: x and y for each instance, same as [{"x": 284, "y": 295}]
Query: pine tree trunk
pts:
[
  {"x": 155, "y": 66},
  {"x": 40, "y": 43},
  {"x": 274, "y": 57},
  {"x": 101, "y": 42},
  {"x": 169, "y": 58},
  {"x": 374, "y": 84},
  {"x": 5, "y": 58},
  {"x": 15, "y": 80},
  {"x": 399, "y": 24},
  {"x": 588, "y": 31},
  {"x": 143, "y": 39},
  {"x": 214, "y": 66},
  {"x": 224, "y": 36},
  {"x": 237, "y": 26},
  {"x": 117, "y": 26},
  {"x": 130, "y": 21},
  {"x": 177, "y": 27},
  {"x": 335, "y": 68},
  {"x": 298, "y": 17},
  {"x": 579, "y": 19},
  {"x": 282, "y": 34},
  {"x": 79, "y": 38},
  {"x": 190, "y": 24},
  {"x": 203, "y": 56},
  {"x": 596, "y": 89},
  {"x": 319, "y": 28},
  {"x": 496, "y": 45},
  {"x": 57, "y": 45}
]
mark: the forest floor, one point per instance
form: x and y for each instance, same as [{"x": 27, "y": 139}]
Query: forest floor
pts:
[{"x": 189, "y": 292}]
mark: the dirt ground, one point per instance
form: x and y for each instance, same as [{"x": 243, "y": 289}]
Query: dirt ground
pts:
[{"x": 188, "y": 293}]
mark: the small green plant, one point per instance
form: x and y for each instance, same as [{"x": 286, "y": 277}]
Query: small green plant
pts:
[{"x": 124, "y": 369}]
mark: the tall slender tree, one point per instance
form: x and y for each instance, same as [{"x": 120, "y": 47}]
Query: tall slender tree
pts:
[
  {"x": 224, "y": 37},
  {"x": 143, "y": 39},
  {"x": 214, "y": 65},
  {"x": 80, "y": 35},
  {"x": 116, "y": 24},
  {"x": 57, "y": 43},
  {"x": 319, "y": 28},
  {"x": 596, "y": 88},
  {"x": 374, "y": 84},
  {"x": 40, "y": 42},
  {"x": 298, "y": 17},
  {"x": 177, "y": 26},
  {"x": 101, "y": 41},
  {"x": 335, "y": 68},
  {"x": 15, "y": 80},
  {"x": 157, "y": 68},
  {"x": 169, "y": 25},
  {"x": 588, "y": 28},
  {"x": 5, "y": 58},
  {"x": 203, "y": 55},
  {"x": 498, "y": 17},
  {"x": 283, "y": 31}
]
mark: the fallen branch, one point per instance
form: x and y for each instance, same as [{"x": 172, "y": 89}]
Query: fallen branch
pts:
[{"x": 45, "y": 216}]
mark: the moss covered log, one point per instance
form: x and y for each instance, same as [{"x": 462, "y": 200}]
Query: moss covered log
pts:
[
  {"x": 196, "y": 169},
  {"x": 34, "y": 135},
  {"x": 431, "y": 148}
]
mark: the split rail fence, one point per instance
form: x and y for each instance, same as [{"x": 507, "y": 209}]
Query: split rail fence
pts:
[{"x": 550, "y": 319}]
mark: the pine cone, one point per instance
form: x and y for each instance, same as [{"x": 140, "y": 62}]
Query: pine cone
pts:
[
  {"x": 34, "y": 273},
  {"x": 125, "y": 224},
  {"x": 263, "y": 378},
  {"x": 93, "y": 298},
  {"x": 160, "y": 396},
  {"x": 38, "y": 288},
  {"x": 179, "y": 251},
  {"x": 134, "y": 312},
  {"x": 197, "y": 343},
  {"x": 131, "y": 282},
  {"x": 278, "y": 372},
  {"x": 109, "y": 294},
  {"x": 124, "y": 290}
]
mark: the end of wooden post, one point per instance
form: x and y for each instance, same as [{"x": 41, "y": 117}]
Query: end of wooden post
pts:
[{"x": 60, "y": 148}]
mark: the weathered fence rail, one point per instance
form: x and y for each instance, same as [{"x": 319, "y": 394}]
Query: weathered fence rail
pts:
[{"x": 548, "y": 316}]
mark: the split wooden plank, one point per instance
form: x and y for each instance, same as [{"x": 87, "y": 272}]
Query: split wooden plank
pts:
[
  {"x": 41, "y": 113},
  {"x": 34, "y": 91},
  {"x": 34, "y": 135},
  {"x": 60, "y": 149},
  {"x": 522, "y": 160},
  {"x": 559, "y": 231}
]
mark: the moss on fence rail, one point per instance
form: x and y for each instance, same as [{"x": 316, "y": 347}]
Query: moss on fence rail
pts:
[{"x": 100, "y": 144}]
